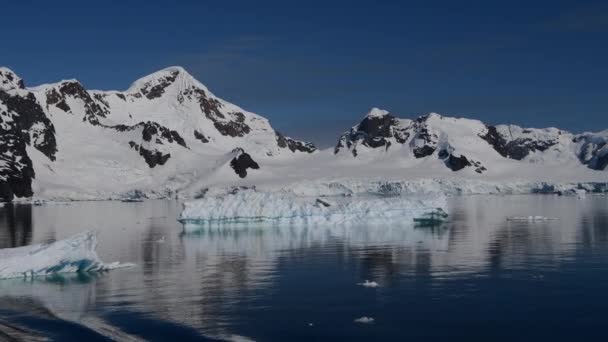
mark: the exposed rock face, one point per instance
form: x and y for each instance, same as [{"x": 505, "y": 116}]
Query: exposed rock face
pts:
[
  {"x": 241, "y": 162},
  {"x": 200, "y": 136},
  {"x": 152, "y": 157},
  {"x": 294, "y": 145},
  {"x": 520, "y": 146},
  {"x": 459, "y": 162},
  {"x": 379, "y": 128},
  {"x": 231, "y": 123},
  {"x": 153, "y": 135},
  {"x": 156, "y": 89},
  {"x": 16, "y": 169},
  {"x": 433, "y": 135},
  {"x": 424, "y": 142},
  {"x": 35, "y": 126},
  {"x": 22, "y": 123},
  {"x": 594, "y": 150},
  {"x": 9, "y": 80},
  {"x": 72, "y": 90}
]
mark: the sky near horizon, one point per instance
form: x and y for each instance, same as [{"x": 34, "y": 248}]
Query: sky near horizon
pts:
[{"x": 315, "y": 68}]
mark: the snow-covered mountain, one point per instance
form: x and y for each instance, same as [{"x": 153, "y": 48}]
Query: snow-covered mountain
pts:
[
  {"x": 168, "y": 135},
  {"x": 165, "y": 125},
  {"x": 460, "y": 143}
]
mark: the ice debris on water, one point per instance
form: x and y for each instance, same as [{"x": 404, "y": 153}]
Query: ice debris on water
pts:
[
  {"x": 364, "y": 320},
  {"x": 368, "y": 283},
  {"x": 73, "y": 255}
]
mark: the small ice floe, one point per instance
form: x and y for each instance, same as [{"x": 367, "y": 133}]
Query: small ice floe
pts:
[
  {"x": 310, "y": 324},
  {"x": 530, "y": 218},
  {"x": 364, "y": 320},
  {"x": 368, "y": 283},
  {"x": 161, "y": 240},
  {"x": 73, "y": 255},
  {"x": 580, "y": 193}
]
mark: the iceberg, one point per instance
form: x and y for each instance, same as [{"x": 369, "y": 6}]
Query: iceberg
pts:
[
  {"x": 365, "y": 320},
  {"x": 368, "y": 283},
  {"x": 72, "y": 255},
  {"x": 251, "y": 206}
]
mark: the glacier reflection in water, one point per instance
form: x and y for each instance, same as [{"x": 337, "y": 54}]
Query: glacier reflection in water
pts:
[{"x": 476, "y": 276}]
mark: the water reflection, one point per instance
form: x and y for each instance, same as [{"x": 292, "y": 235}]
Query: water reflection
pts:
[
  {"x": 220, "y": 281},
  {"x": 16, "y": 225}
]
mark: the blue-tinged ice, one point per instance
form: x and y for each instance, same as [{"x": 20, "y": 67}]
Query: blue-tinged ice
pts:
[
  {"x": 72, "y": 255},
  {"x": 250, "y": 206}
]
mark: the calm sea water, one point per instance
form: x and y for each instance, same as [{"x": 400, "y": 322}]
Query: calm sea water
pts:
[{"x": 475, "y": 278}]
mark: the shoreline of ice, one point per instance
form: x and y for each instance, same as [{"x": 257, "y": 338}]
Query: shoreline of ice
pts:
[
  {"x": 337, "y": 186},
  {"x": 72, "y": 255}
]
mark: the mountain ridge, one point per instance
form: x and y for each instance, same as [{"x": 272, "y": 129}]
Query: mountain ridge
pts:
[{"x": 169, "y": 135}]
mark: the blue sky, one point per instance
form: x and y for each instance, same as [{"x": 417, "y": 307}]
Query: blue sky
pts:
[{"x": 315, "y": 67}]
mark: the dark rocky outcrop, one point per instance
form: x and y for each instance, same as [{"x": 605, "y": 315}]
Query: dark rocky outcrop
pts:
[
  {"x": 231, "y": 124},
  {"x": 200, "y": 136},
  {"x": 593, "y": 151},
  {"x": 152, "y": 134},
  {"x": 424, "y": 142},
  {"x": 231, "y": 128},
  {"x": 518, "y": 148},
  {"x": 373, "y": 131},
  {"x": 150, "y": 130},
  {"x": 92, "y": 109},
  {"x": 294, "y": 145},
  {"x": 8, "y": 80},
  {"x": 152, "y": 157},
  {"x": 16, "y": 169},
  {"x": 35, "y": 127},
  {"x": 458, "y": 162},
  {"x": 241, "y": 162},
  {"x": 152, "y": 91}
]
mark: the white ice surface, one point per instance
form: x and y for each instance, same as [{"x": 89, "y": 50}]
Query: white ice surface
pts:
[
  {"x": 286, "y": 208},
  {"x": 364, "y": 320},
  {"x": 75, "y": 254},
  {"x": 368, "y": 283}
]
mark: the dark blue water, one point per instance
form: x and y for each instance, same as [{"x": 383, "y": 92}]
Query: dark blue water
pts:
[{"x": 475, "y": 278}]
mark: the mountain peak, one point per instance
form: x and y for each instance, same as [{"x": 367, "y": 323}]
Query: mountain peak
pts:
[
  {"x": 9, "y": 80},
  {"x": 154, "y": 84},
  {"x": 376, "y": 112}
]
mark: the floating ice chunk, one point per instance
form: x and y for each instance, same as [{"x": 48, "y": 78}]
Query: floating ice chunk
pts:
[
  {"x": 368, "y": 283},
  {"x": 285, "y": 208},
  {"x": 530, "y": 218},
  {"x": 580, "y": 193},
  {"x": 364, "y": 320},
  {"x": 75, "y": 254}
]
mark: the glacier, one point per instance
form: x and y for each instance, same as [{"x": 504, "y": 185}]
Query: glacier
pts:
[
  {"x": 72, "y": 255},
  {"x": 251, "y": 206}
]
